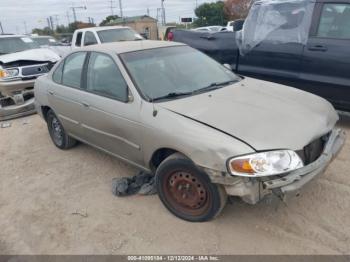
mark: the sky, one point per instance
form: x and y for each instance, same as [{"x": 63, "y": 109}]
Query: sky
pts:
[{"x": 20, "y": 16}]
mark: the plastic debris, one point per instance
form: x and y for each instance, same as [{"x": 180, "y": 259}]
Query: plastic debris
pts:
[
  {"x": 143, "y": 183},
  {"x": 5, "y": 125}
]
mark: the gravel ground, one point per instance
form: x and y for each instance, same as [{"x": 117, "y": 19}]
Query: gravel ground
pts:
[{"x": 60, "y": 202}]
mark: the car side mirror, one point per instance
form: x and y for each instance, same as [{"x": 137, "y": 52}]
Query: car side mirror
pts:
[
  {"x": 130, "y": 97},
  {"x": 228, "y": 66}
]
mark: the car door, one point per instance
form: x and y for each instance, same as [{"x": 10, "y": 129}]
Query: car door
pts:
[
  {"x": 111, "y": 119},
  {"x": 66, "y": 92},
  {"x": 326, "y": 58},
  {"x": 275, "y": 47}
]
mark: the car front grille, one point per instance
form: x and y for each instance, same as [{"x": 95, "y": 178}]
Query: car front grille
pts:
[
  {"x": 312, "y": 151},
  {"x": 35, "y": 70}
]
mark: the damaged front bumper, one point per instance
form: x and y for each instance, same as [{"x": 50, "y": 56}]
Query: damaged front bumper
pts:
[
  {"x": 16, "y": 99},
  {"x": 252, "y": 190}
]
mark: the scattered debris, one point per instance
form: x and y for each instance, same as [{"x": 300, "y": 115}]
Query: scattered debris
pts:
[
  {"x": 5, "y": 125},
  {"x": 82, "y": 214},
  {"x": 143, "y": 183}
]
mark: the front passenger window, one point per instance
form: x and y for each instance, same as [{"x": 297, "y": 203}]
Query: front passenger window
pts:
[{"x": 104, "y": 78}]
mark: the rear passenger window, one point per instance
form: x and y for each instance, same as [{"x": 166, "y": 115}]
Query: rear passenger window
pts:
[
  {"x": 78, "y": 40},
  {"x": 104, "y": 78},
  {"x": 335, "y": 21},
  {"x": 89, "y": 39},
  {"x": 57, "y": 75},
  {"x": 73, "y": 68}
]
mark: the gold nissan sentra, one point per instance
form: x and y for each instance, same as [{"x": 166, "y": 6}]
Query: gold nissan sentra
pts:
[{"x": 204, "y": 132}]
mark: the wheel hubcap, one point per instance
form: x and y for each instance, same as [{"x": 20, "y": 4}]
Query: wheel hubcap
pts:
[{"x": 57, "y": 132}]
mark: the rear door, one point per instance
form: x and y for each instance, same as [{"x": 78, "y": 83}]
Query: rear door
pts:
[
  {"x": 111, "y": 119},
  {"x": 66, "y": 92},
  {"x": 326, "y": 58}
]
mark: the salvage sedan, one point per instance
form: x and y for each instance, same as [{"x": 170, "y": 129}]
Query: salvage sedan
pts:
[{"x": 204, "y": 132}]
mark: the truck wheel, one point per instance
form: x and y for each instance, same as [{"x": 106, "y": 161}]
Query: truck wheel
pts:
[
  {"x": 187, "y": 192},
  {"x": 57, "y": 133}
]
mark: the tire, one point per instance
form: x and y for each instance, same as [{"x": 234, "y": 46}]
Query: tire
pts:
[
  {"x": 57, "y": 133},
  {"x": 187, "y": 192}
]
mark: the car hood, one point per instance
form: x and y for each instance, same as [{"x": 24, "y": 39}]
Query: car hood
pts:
[
  {"x": 264, "y": 115},
  {"x": 42, "y": 54}
]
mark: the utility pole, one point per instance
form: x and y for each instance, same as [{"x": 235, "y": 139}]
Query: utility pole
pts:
[
  {"x": 68, "y": 19},
  {"x": 163, "y": 12},
  {"x": 56, "y": 18},
  {"x": 112, "y": 6},
  {"x": 121, "y": 8},
  {"x": 51, "y": 23},
  {"x": 148, "y": 11},
  {"x": 74, "y": 12},
  {"x": 2, "y": 29},
  {"x": 25, "y": 27}
]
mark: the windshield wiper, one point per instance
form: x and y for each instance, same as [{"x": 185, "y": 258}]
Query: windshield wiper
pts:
[
  {"x": 214, "y": 86},
  {"x": 171, "y": 95}
]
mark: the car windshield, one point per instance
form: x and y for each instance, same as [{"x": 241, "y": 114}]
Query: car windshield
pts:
[
  {"x": 10, "y": 45},
  {"x": 48, "y": 41},
  {"x": 116, "y": 35},
  {"x": 171, "y": 71}
]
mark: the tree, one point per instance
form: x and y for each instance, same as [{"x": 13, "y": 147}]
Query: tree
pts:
[
  {"x": 109, "y": 19},
  {"x": 237, "y": 9},
  {"x": 210, "y": 14}
]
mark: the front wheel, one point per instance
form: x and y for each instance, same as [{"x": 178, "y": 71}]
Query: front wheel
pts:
[
  {"x": 57, "y": 132},
  {"x": 187, "y": 192}
]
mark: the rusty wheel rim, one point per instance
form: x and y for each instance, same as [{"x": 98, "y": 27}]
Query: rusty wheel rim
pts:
[{"x": 186, "y": 193}]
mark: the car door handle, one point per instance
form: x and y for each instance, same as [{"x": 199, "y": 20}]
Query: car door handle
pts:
[
  {"x": 85, "y": 104},
  {"x": 321, "y": 48},
  {"x": 51, "y": 93}
]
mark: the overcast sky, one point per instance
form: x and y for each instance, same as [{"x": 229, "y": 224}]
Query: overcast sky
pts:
[{"x": 16, "y": 15}]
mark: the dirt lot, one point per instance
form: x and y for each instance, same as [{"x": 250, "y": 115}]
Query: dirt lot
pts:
[{"x": 41, "y": 187}]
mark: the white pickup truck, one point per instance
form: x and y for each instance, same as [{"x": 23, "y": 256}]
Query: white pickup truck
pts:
[{"x": 103, "y": 34}]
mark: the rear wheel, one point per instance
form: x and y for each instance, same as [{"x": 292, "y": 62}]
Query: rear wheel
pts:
[
  {"x": 57, "y": 132},
  {"x": 187, "y": 192}
]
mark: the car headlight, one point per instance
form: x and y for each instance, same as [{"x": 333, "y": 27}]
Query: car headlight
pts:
[
  {"x": 7, "y": 73},
  {"x": 265, "y": 164}
]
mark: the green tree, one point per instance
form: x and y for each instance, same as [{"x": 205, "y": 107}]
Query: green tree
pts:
[
  {"x": 210, "y": 14},
  {"x": 108, "y": 19}
]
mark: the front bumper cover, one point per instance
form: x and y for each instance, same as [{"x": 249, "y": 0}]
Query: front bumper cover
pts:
[
  {"x": 294, "y": 181},
  {"x": 252, "y": 190}
]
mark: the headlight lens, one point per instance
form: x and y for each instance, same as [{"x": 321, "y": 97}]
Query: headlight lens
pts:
[
  {"x": 265, "y": 164},
  {"x": 6, "y": 73}
]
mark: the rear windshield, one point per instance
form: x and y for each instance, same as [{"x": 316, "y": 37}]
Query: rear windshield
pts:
[
  {"x": 116, "y": 35},
  {"x": 10, "y": 45}
]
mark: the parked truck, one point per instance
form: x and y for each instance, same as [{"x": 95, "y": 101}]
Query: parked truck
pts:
[{"x": 301, "y": 43}]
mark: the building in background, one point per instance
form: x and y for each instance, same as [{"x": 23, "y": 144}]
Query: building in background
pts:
[{"x": 144, "y": 25}]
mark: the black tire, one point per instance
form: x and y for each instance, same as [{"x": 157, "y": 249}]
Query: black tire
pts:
[
  {"x": 187, "y": 192},
  {"x": 57, "y": 133}
]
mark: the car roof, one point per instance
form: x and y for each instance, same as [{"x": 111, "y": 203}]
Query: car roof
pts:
[
  {"x": 130, "y": 46},
  {"x": 101, "y": 28}
]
